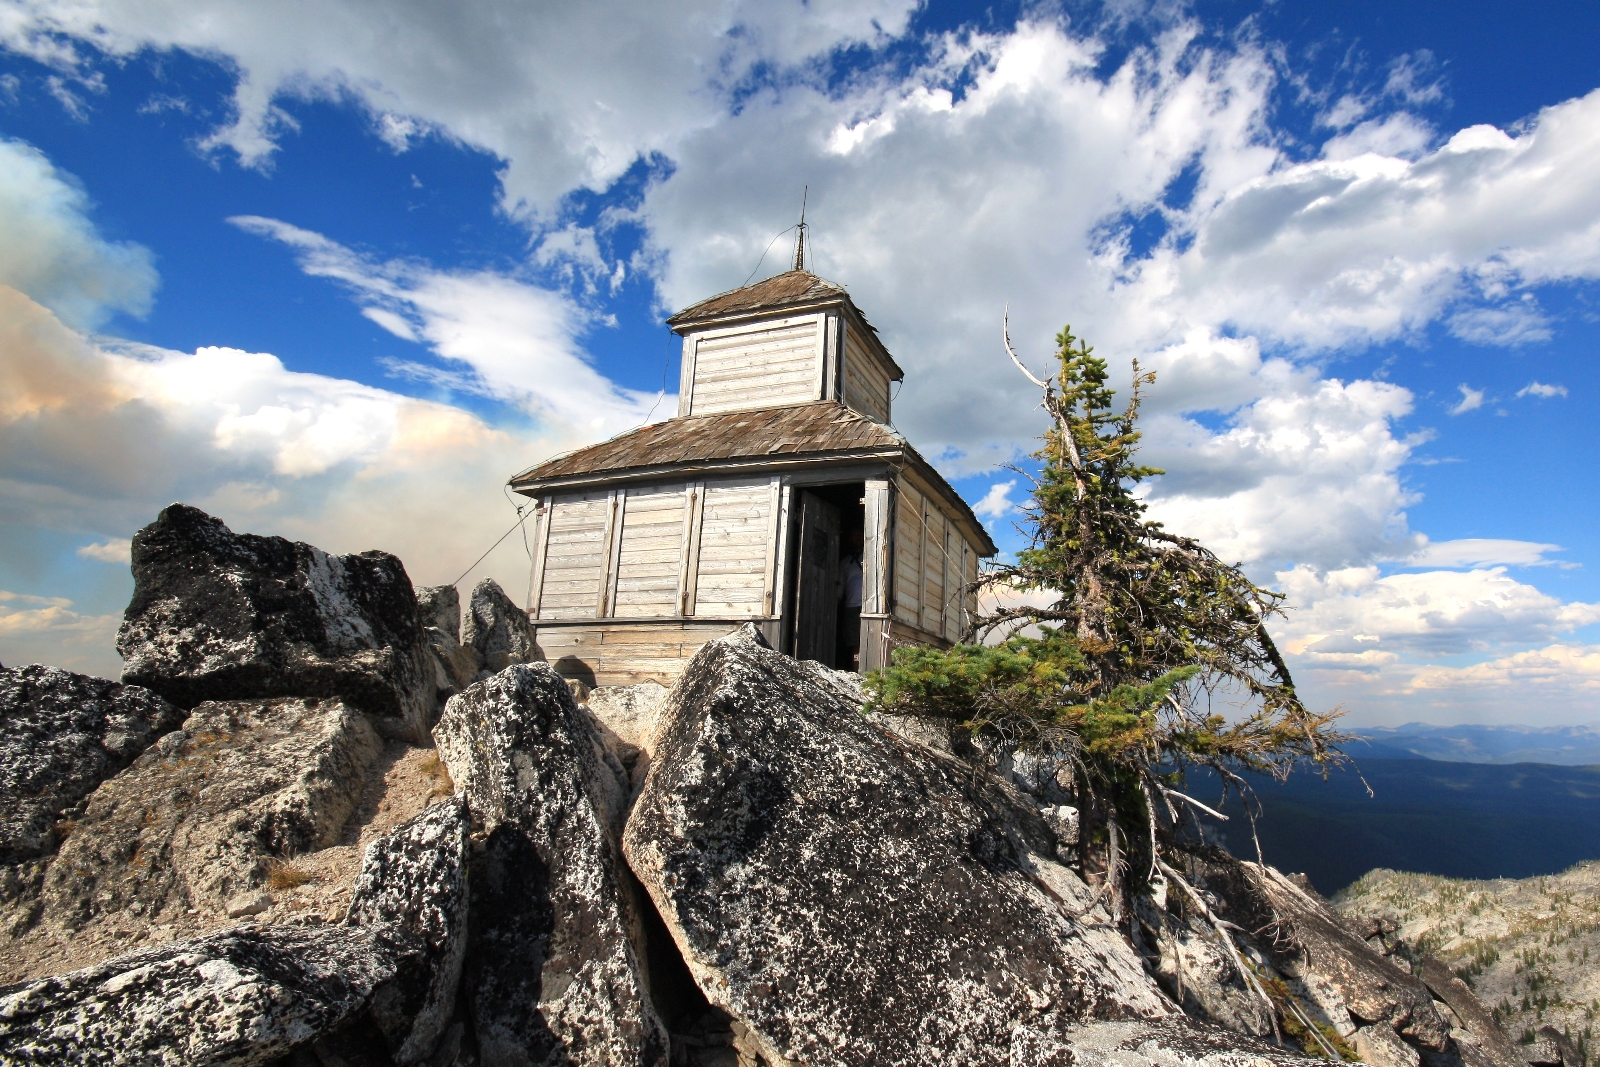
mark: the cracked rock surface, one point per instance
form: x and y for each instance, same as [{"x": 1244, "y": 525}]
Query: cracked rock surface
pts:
[
  {"x": 61, "y": 735},
  {"x": 197, "y": 820},
  {"x": 854, "y": 898},
  {"x": 251, "y": 994},
  {"x": 217, "y": 615},
  {"x": 555, "y": 972},
  {"x": 412, "y": 890},
  {"x": 243, "y": 996}
]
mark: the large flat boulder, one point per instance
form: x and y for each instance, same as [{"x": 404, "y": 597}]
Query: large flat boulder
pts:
[
  {"x": 852, "y": 897},
  {"x": 217, "y": 615},
  {"x": 556, "y": 966},
  {"x": 187, "y": 837},
  {"x": 252, "y": 994},
  {"x": 61, "y": 735},
  {"x": 243, "y": 996}
]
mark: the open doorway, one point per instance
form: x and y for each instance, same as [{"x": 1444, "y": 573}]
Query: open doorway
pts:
[{"x": 825, "y": 564}]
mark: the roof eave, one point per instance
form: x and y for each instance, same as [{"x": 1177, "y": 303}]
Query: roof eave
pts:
[
  {"x": 681, "y": 325},
  {"x": 771, "y": 462}
]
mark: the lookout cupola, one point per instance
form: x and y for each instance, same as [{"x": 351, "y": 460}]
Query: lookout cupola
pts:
[
  {"x": 791, "y": 339},
  {"x": 779, "y": 494}
]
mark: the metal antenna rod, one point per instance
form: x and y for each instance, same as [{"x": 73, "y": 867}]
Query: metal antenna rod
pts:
[{"x": 800, "y": 237}]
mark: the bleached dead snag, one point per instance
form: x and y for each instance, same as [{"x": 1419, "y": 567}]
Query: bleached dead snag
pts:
[
  {"x": 555, "y": 964},
  {"x": 217, "y": 615},
  {"x": 854, "y": 898}
]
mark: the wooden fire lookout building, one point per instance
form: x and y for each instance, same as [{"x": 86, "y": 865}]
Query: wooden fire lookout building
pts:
[{"x": 746, "y": 505}]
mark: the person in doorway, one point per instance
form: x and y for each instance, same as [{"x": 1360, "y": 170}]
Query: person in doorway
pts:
[{"x": 848, "y": 657}]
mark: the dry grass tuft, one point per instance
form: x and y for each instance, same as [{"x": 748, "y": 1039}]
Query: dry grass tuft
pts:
[
  {"x": 439, "y": 774},
  {"x": 282, "y": 874},
  {"x": 64, "y": 830}
]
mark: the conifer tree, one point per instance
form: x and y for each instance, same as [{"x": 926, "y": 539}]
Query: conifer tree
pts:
[{"x": 1115, "y": 644}]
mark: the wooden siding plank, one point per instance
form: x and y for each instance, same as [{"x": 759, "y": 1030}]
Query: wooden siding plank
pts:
[
  {"x": 541, "y": 546},
  {"x": 932, "y": 568},
  {"x": 572, "y": 569},
  {"x": 758, "y": 366},
  {"x": 732, "y": 555},
  {"x": 648, "y": 552},
  {"x": 907, "y": 574}
]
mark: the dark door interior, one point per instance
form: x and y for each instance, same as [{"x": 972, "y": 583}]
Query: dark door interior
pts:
[{"x": 817, "y": 590}]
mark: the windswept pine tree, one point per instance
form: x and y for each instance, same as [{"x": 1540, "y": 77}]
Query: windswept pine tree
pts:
[{"x": 1115, "y": 645}]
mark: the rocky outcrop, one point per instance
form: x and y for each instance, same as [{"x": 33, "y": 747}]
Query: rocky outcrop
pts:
[
  {"x": 1506, "y": 942},
  {"x": 244, "y": 996},
  {"x": 1331, "y": 992},
  {"x": 456, "y": 666},
  {"x": 851, "y": 898},
  {"x": 412, "y": 891},
  {"x": 1473, "y": 1027},
  {"x": 497, "y": 630},
  {"x": 1170, "y": 1042},
  {"x": 556, "y": 962},
  {"x": 61, "y": 735},
  {"x": 627, "y": 716},
  {"x": 254, "y": 993},
  {"x": 217, "y": 615},
  {"x": 191, "y": 831}
]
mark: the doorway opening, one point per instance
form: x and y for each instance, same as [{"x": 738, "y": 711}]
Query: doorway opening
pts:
[{"x": 825, "y": 568}]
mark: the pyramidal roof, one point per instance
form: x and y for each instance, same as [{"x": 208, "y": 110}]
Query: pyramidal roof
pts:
[{"x": 791, "y": 287}]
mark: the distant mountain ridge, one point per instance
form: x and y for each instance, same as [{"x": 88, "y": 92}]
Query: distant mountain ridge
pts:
[
  {"x": 1562, "y": 746},
  {"x": 1458, "y": 820}
]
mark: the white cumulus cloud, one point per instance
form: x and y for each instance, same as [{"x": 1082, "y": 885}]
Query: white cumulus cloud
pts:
[{"x": 51, "y": 250}]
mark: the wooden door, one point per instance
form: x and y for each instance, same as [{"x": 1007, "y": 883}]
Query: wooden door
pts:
[{"x": 817, "y": 584}]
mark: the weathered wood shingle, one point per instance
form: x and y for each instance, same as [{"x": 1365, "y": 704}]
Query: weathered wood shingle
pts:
[
  {"x": 821, "y": 430},
  {"x": 781, "y": 290},
  {"x": 821, "y": 427}
]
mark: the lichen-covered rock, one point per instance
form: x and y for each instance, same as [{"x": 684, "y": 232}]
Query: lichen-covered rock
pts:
[
  {"x": 244, "y": 996},
  {"x": 1196, "y": 969},
  {"x": 414, "y": 880},
  {"x": 626, "y": 716},
  {"x": 440, "y": 608},
  {"x": 1483, "y": 1042},
  {"x": 1171, "y": 1042},
  {"x": 456, "y": 666},
  {"x": 196, "y": 820},
  {"x": 629, "y": 711},
  {"x": 251, "y": 994},
  {"x": 852, "y": 898},
  {"x": 555, "y": 971},
  {"x": 217, "y": 615},
  {"x": 62, "y": 734},
  {"x": 497, "y": 630}
]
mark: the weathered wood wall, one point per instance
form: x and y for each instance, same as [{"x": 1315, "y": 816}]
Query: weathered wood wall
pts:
[
  {"x": 658, "y": 551},
  {"x": 648, "y": 576},
  {"x": 866, "y": 378},
  {"x": 755, "y": 365},
  {"x": 622, "y": 653},
  {"x": 933, "y": 566}
]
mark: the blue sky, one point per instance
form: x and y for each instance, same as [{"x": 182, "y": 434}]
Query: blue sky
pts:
[{"x": 335, "y": 271}]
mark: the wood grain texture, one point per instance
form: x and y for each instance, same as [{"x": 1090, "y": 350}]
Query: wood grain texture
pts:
[{"x": 574, "y": 562}]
